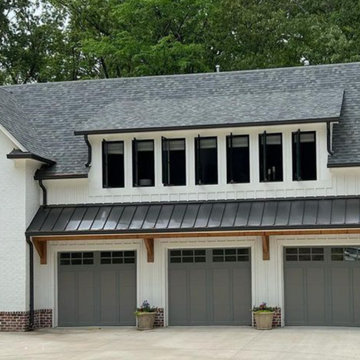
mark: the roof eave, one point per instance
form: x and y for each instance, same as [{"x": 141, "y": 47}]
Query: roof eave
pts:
[
  {"x": 30, "y": 156},
  {"x": 191, "y": 230},
  {"x": 208, "y": 126},
  {"x": 40, "y": 176}
]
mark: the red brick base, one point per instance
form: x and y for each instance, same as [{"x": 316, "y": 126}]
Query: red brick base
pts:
[
  {"x": 20, "y": 320},
  {"x": 276, "y": 319},
  {"x": 159, "y": 318}
]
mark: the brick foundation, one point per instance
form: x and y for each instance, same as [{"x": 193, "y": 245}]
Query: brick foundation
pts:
[
  {"x": 159, "y": 318},
  {"x": 20, "y": 320},
  {"x": 276, "y": 319}
]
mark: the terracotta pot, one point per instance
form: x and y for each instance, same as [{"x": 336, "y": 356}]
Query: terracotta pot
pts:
[
  {"x": 263, "y": 320},
  {"x": 145, "y": 320}
]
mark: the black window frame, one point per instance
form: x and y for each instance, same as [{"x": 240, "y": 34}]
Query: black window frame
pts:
[
  {"x": 296, "y": 158},
  {"x": 197, "y": 140},
  {"x": 165, "y": 160},
  {"x": 105, "y": 144},
  {"x": 135, "y": 171},
  {"x": 229, "y": 156},
  {"x": 262, "y": 150}
]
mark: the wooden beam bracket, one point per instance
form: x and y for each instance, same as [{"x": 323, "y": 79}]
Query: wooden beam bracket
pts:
[
  {"x": 41, "y": 248},
  {"x": 149, "y": 243},
  {"x": 266, "y": 247}
]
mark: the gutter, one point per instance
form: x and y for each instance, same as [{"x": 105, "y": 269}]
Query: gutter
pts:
[
  {"x": 31, "y": 283},
  {"x": 212, "y": 126},
  {"x": 31, "y": 156}
]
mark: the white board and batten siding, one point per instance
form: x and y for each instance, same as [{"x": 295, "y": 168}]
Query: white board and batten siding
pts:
[{"x": 330, "y": 182}]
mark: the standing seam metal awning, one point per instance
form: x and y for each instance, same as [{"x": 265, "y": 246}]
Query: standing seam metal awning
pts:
[{"x": 311, "y": 213}]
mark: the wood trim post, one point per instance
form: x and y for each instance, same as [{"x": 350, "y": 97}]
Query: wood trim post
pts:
[
  {"x": 149, "y": 243},
  {"x": 266, "y": 247}
]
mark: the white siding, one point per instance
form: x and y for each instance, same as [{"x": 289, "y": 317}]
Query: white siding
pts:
[
  {"x": 329, "y": 181},
  {"x": 19, "y": 201}
]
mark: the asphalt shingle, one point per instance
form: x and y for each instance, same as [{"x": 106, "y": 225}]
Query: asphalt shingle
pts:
[{"x": 49, "y": 114}]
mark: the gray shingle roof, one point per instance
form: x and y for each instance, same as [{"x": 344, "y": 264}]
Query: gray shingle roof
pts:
[
  {"x": 15, "y": 121},
  {"x": 55, "y": 110},
  {"x": 312, "y": 213},
  {"x": 219, "y": 110}
]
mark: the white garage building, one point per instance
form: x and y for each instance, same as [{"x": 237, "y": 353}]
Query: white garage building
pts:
[{"x": 204, "y": 194}]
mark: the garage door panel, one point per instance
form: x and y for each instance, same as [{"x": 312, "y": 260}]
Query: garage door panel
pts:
[
  {"x": 86, "y": 306},
  {"x": 315, "y": 296},
  {"x": 67, "y": 299},
  {"x": 241, "y": 296},
  {"x": 97, "y": 288},
  {"x": 177, "y": 296},
  {"x": 295, "y": 296},
  {"x": 331, "y": 276},
  {"x": 127, "y": 297},
  {"x": 109, "y": 297},
  {"x": 197, "y": 279},
  {"x": 222, "y": 295},
  {"x": 209, "y": 287},
  {"x": 340, "y": 287}
]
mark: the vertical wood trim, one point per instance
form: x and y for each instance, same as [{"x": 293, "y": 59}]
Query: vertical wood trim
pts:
[
  {"x": 149, "y": 243},
  {"x": 266, "y": 247}
]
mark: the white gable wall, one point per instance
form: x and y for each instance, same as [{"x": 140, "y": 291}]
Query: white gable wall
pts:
[{"x": 19, "y": 201}]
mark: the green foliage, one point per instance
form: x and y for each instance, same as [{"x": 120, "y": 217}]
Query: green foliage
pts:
[
  {"x": 58, "y": 40},
  {"x": 263, "y": 308}
]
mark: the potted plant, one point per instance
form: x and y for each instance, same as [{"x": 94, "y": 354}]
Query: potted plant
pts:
[
  {"x": 263, "y": 316},
  {"x": 145, "y": 316}
]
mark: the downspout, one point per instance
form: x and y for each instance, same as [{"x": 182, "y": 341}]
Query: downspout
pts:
[
  {"x": 88, "y": 164},
  {"x": 329, "y": 138},
  {"x": 31, "y": 283},
  {"x": 44, "y": 191}
]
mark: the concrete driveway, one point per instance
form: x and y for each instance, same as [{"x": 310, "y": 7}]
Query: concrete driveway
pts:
[{"x": 196, "y": 343}]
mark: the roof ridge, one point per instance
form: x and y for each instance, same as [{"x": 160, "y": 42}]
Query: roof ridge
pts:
[{"x": 210, "y": 73}]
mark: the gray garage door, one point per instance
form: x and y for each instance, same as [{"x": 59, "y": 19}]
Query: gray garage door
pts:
[
  {"x": 96, "y": 288},
  {"x": 322, "y": 286},
  {"x": 209, "y": 287}
]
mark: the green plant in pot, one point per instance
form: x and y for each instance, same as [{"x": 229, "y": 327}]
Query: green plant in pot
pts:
[
  {"x": 263, "y": 315},
  {"x": 145, "y": 316}
]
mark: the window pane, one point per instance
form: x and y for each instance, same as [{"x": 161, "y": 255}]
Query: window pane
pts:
[
  {"x": 115, "y": 148},
  {"x": 143, "y": 163},
  {"x": 113, "y": 164},
  {"x": 237, "y": 159},
  {"x": 304, "y": 156},
  {"x": 270, "y": 155},
  {"x": 174, "y": 163},
  {"x": 206, "y": 167}
]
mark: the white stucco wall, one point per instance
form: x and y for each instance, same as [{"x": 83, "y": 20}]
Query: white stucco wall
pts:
[{"x": 19, "y": 198}]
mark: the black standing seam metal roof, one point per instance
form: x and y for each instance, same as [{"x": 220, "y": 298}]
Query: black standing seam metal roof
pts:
[{"x": 310, "y": 213}]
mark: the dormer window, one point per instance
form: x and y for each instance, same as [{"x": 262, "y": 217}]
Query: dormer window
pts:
[
  {"x": 271, "y": 157},
  {"x": 206, "y": 160},
  {"x": 143, "y": 163},
  {"x": 173, "y": 162},
  {"x": 304, "y": 155},
  {"x": 237, "y": 159},
  {"x": 113, "y": 164}
]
